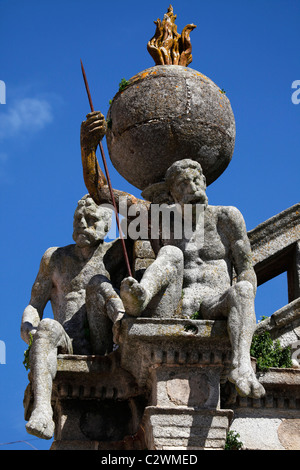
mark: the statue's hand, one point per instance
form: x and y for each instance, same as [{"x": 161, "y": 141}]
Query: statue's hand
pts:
[
  {"x": 92, "y": 130},
  {"x": 115, "y": 309}
]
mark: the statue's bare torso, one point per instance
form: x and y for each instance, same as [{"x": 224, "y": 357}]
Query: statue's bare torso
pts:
[
  {"x": 209, "y": 261},
  {"x": 70, "y": 274}
]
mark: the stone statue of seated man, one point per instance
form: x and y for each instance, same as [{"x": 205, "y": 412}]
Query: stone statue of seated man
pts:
[
  {"x": 208, "y": 285},
  {"x": 78, "y": 280}
]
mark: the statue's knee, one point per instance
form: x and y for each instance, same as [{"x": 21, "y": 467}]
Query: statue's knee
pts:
[
  {"x": 47, "y": 325},
  {"x": 172, "y": 254},
  {"x": 95, "y": 282},
  {"x": 49, "y": 329},
  {"x": 244, "y": 289},
  {"x": 98, "y": 292}
]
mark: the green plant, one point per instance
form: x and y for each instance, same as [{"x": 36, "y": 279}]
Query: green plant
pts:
[
  {"x": 123, "y": 84},
  {"x": 232, "y": 441},
  {"x": 195, "y": 316},
  {"x": 109, "y": 123},
  {"x": 269, "y": 353},
  {"x": 223, "y": 91},
  {"x": 26, "y": 362}
]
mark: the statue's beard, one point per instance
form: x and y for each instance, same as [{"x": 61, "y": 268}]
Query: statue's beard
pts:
[
  {"x": 194, "y": 199},
  {"x": 83, "y": 238}
]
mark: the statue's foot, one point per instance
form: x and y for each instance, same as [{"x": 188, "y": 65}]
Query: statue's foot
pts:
[
  {"x": 246, "y": 382},
  {"x": 134, "y": 296},
  {"x": 41, "y": 424}
]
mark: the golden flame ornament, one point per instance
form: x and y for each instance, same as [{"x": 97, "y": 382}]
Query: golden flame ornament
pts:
[{"x": 167, "y": 46}]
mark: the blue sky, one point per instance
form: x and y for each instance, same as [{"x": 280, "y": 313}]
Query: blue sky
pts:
[{"x": 248, "y": 48}]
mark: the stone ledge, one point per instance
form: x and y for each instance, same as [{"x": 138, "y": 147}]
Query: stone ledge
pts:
[
  {"x": 281, "y": 318},
  {"x": 152, "y": 342},
  {"x": 276, "y": 376},
  {"x": 156, "y": 329},
  {"x": 93, "y": 377},
  {"x": 275, "y": 234},
  {"x": 86, "y": 363}
]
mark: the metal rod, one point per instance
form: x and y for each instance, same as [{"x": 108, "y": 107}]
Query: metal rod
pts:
[{"x": 108, "y": 178}]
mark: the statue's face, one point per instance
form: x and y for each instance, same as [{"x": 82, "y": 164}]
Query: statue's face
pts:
[
  {"x": 90, "y": 225},
  {"x": 189, "y": 187}
]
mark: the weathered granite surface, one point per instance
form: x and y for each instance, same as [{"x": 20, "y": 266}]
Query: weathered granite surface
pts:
[
  {"x": 169, "y": 113},
  {"x": 77, "y": 279},
  {"x": 159, "y": 390},
  {"x": 211, "y": 251}
]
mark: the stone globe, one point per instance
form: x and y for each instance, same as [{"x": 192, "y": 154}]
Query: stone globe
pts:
[{"x": 168, "y": 113}]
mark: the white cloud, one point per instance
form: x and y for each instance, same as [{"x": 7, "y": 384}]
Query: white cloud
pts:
[{"x": 27, "y": 115}]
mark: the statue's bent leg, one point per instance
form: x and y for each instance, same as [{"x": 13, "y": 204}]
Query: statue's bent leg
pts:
[
  {"x": 237, "y": 304},
  {"x": 241, "y": 326},
  {"x": 104, "y": 309},
  {"x": 49, "y": 336},
  {"x": 166, "y": 272}
]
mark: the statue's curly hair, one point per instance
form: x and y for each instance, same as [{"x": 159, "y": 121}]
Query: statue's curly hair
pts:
[
  {"x": 178, "y": 167},
  {"x": 106, "y": 212}
]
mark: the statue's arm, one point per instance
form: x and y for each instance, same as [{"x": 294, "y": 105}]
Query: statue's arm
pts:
[
  {"x": 40, "y": 294},
  {"x": 91, "y": 133},
  {"x": 240, "y": 247}
]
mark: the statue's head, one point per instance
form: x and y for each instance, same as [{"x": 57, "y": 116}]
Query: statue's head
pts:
[
  {"x": 91, "y": 222},
  {"x": 186, "y": 182}
]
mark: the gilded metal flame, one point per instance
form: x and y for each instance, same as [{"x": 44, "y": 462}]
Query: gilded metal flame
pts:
[{"x": 168, "y": 47}]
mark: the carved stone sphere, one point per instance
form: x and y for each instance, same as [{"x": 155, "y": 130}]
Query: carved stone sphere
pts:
[{"x": 164, "y": 114}]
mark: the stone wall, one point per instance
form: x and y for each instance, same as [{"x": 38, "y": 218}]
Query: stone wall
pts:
[{"x": 273, "y": 422}]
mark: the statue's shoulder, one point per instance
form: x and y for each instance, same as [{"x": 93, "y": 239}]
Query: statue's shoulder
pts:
[
  {"x": 48, "y": 254},
  {"x": 230, "y": 219},
  {"x": 227, "y": 213},
  {"x": 54, "y": 253}
]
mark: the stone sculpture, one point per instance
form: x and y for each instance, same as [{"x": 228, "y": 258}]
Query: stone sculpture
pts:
[
  {"x": 205, "y": 272},
  {"x": 171, "y": 149},
  {"x": 76, "y": 279},
  {"x": 167, "y": 113}
]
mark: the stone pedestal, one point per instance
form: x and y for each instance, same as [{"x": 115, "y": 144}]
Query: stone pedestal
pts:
[
  {"x": 186, "y": 428},
  {"x": 159, "y": 390},
  {"x": 96, "y": 404},
  {"x": 181, "y": 363}
]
